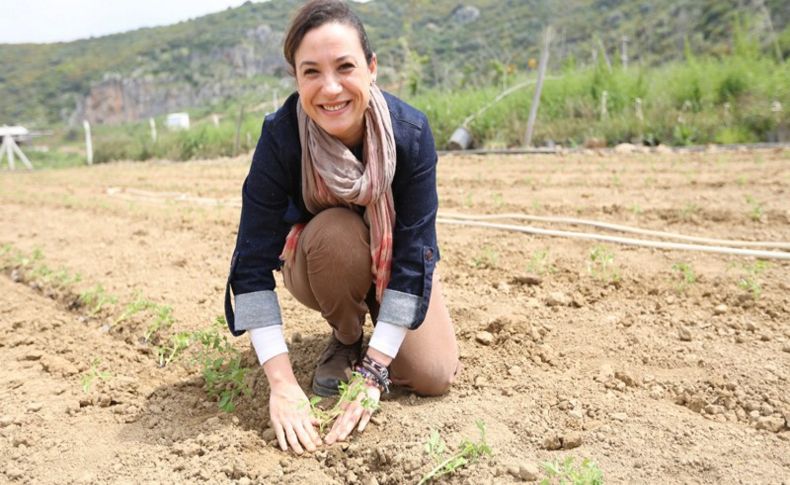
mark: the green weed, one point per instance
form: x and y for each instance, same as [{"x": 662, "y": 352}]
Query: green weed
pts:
[
  {"x": 686, "y": 274},
  {"x": 756, "y": 213},
  {"x": 92, "y": 374},
  {"x": 468, "y": 452},
  {"x": 163, "y": 319},
  {"x": 348, "y": 392},
  {"x": 751, "y": 281},
  {"x": 96, "y": 299},
  {"x": 485, "y": 258},
  {"x": 567, "y": 472},
  {"x": 601, "y": 264},
  {"x": 176, "y": 345},
  {"x": 539, "y": 263}
]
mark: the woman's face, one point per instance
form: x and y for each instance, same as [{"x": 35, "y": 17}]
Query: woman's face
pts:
[{"x": 333, "y": 80}]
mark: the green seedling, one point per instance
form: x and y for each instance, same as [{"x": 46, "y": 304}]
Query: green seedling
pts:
[
  {"x": 756, "y": 213},
  {"x": 176, "y": 346},
  {"x": 636, "y": 209},
  {"x": 688, "y": 211},
  {"x": 687, "y": 275},
  {"x": 468, "y": 452},
  {"x": 601, "y": 264},
  {"x": 499, "y": 200},
  {"x": 567, "y": 472},
  {"x": 163, "y": 319},
  {"x": 539, "y": 262},
  {"x": 485, "y": 258},
  {"x": 223, "y": 374},
  {"x": 93, "y": 373},
  {"x": 138, "y": 305},
  {"x": 349, "y": 392},
  {"x": 751, "y": 281},
  {"x": 95, "y": 299}
]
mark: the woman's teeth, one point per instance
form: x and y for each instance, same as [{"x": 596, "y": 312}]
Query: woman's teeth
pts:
[{"x": 335, "y": 107}]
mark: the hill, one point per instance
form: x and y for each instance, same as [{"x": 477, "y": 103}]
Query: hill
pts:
[{"x": 235, "y": 55}]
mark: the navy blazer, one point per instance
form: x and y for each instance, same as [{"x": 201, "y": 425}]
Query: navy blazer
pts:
[{"x": 272, "y": 202}]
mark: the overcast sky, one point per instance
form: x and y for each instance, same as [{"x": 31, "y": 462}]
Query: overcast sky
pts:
[{"x": 65, "y": 20}]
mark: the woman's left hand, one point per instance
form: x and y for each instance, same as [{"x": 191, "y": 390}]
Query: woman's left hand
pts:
[{"x": 356, "y": 413}]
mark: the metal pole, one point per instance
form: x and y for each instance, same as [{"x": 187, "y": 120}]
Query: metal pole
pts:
[
  {"x": 533, "y": 110},
  {"x": 7, "y": 141},
  {"x": 88, "y": 142}
]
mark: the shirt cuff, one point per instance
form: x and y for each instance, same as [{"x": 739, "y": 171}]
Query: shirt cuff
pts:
[
  {"x": 387, "y": 338},
  {"x": 257, "y": 309},
  {"x": 268, "y": 342},
  {"x": 398, "y": 308}
]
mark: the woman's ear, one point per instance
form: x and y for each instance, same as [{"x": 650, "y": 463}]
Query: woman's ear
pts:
[{"x": 373, "y": 67}]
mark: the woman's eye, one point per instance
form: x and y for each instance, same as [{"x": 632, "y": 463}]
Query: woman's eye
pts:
[
  {"x": 310, "y": 72},
  {"x": 346, "y": 67}
]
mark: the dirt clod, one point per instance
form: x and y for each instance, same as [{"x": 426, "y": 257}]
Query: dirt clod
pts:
[{"x": 484, "y": 338}]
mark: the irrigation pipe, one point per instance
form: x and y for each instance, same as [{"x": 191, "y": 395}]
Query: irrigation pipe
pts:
[
  {"x": 621, "y": 240},
  {"x": 620, "y": 228}
]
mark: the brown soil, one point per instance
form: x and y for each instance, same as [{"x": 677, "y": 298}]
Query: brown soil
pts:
[{"x": 654, "y": 380}]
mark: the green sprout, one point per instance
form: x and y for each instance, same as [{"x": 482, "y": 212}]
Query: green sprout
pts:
[
  {"x": 96, "y": 298},
  {"x": 93, "y": 373},
  {"x": 566, "y": 472},
  {"x": 349, "y": 392},
  {"x": 601, "y": 264},
  {"x": 756, "y": 212},
  {"x": 468, "y": 452},
  {"x": 751, "y": 280},
  {"x": 687, "y": 275}
]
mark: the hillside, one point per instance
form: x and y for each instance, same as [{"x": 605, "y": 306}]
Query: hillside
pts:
[{"x": 234, "y": 55}]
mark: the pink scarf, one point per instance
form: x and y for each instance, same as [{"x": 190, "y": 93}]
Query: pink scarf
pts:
[{"x": 332, "y": 176}]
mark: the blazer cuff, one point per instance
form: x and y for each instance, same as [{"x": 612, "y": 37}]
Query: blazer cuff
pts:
[
  {"x": 387, "y": 338},
  {"x": 257, "y": 310},
  {"x": 398, "y": 308},
  {"x": 268, "y": 342}
]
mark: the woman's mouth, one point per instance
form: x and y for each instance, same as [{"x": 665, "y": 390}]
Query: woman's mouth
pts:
[{"x": 332, "y": 108}]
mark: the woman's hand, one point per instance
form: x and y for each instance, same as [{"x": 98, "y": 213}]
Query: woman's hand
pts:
[
  {"x": 357, "y": 412},
  {"x": 289, "y": 408}
]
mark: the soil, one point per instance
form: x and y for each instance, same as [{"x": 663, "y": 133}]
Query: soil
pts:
[{"x": 571, "y": 348}]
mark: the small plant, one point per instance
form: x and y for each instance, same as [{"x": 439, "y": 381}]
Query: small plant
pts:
[
  {"x": 349, "y": 392},
  {"x": 756, "y": 212},
  {"x": 88, "y": 378},
  {"x": 95, "y": 298},
  {"x": 177, "y": 344},
  {"x": 567, "y": 472},
  {"x": 468, "y": 452},
  {"x": 687, "y": 275},
  {"x": 223, "y": 374},
  {"x": 485, "y": 258},
  {"x": 601, "y": 264},
  {"x": 689, "y": 211},
  {"x": 751, "y": 280},
  {"x": 138, "y": 305},
  {"x": 539, "y": 262},
  {"x": 163, "y": 319}
]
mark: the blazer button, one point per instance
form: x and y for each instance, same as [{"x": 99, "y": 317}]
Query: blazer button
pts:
[{"x": 429, "y": 254}]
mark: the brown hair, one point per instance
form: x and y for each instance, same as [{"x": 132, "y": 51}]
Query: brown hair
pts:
[{"x": 316, "y": 13}]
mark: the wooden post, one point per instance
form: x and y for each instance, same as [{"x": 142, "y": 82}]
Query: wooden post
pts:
[
  {"x": 533, "y": 110},
  {"x": 152, "y": 124},
  {"x": 605, "y": 55},
  {"x": 638, "y": 108},
  {"x": 604, "y": 100},
  {"x": 7, "y": 141},
  {"x": 88, "y": 142}
]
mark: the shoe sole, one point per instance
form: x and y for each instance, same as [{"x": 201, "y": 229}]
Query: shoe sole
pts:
[{"x": 324, "y": 391}]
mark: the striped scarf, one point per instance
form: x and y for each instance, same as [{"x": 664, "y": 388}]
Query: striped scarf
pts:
[{"x": 332, "y": 176}]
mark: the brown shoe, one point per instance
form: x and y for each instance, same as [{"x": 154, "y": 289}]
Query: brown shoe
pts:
[{"x": 334, "y": 366}]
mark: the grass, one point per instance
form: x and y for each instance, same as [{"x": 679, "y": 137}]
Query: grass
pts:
[
  {"x": 750, "y": 280},
  {"x": 756, "y": 211},
  {"x": 468, "y": 452},
  {"x": 95, "y": 299},
  {"x": 568, "y": 472},
  {"x": 486, "y": 258}
]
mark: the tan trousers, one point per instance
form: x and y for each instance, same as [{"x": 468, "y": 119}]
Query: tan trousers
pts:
[{"x": 331, "y": 274}]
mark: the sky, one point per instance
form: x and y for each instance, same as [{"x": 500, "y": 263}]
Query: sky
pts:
[{"x": 64, "y": 20}]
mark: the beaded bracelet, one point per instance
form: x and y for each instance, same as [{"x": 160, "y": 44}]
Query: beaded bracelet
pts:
[{"x": 378, "y": 372}]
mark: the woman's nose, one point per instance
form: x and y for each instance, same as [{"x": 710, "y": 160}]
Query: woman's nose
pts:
[{"x": 332, "y": 86}]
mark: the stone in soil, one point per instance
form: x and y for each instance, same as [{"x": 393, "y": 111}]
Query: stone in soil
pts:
[
  {"x": 526, "y": 472},
  {"x": 558, "y": 298},
  {"x": 720, "y": 309},
  {"x": 773, "y": 424},
  {"x": 684, "y": 334},
  {"x": 484, "y": 338},
  {"x": 527, "y": 279},
  {"x": 571, "y": 440}
]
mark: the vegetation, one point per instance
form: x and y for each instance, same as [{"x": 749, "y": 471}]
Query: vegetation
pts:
[
  {"x": 349, "y": 392},
  {"x": 567, "y": 472},
  {"x": 93, "y": 373},
  {"x": 686, "y": 274},
  {"x": 468, "y": 452},
  {"x": 601, "y": 264}
]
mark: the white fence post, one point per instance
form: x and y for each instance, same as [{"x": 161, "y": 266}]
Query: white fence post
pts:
[
  {"x": 533, "y": 110},
  {"x": 88, "y": 142},
  {"x": 152, "y": 124}
]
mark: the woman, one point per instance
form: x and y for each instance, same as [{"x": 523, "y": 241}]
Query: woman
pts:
[{"x": 341, "y": 196}]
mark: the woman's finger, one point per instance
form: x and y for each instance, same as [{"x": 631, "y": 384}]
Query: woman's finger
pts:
[
  {"x": 293, "y": 440},
  {"x": 310, "y": 428},
  {"x": 304, "y": 437},
  {"x": 363, "y": 422},
  {"x": 278, "y": 431}
]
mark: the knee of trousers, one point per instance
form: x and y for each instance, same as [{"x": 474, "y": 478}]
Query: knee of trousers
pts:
[
  {"x": 338, "y": 235},
  {"x": 434, "y": 382}
]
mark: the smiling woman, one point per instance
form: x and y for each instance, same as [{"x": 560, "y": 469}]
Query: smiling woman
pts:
[{"x": 341, "y": 197}]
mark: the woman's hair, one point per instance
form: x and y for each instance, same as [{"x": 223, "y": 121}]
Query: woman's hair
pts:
[{"x": 316, "y": 13}]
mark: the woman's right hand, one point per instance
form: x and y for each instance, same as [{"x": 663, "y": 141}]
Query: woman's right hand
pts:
[{"x": 289, "y": 411}]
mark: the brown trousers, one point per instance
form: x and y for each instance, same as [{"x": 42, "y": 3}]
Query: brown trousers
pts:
[{"x": 331, "y": 274}]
